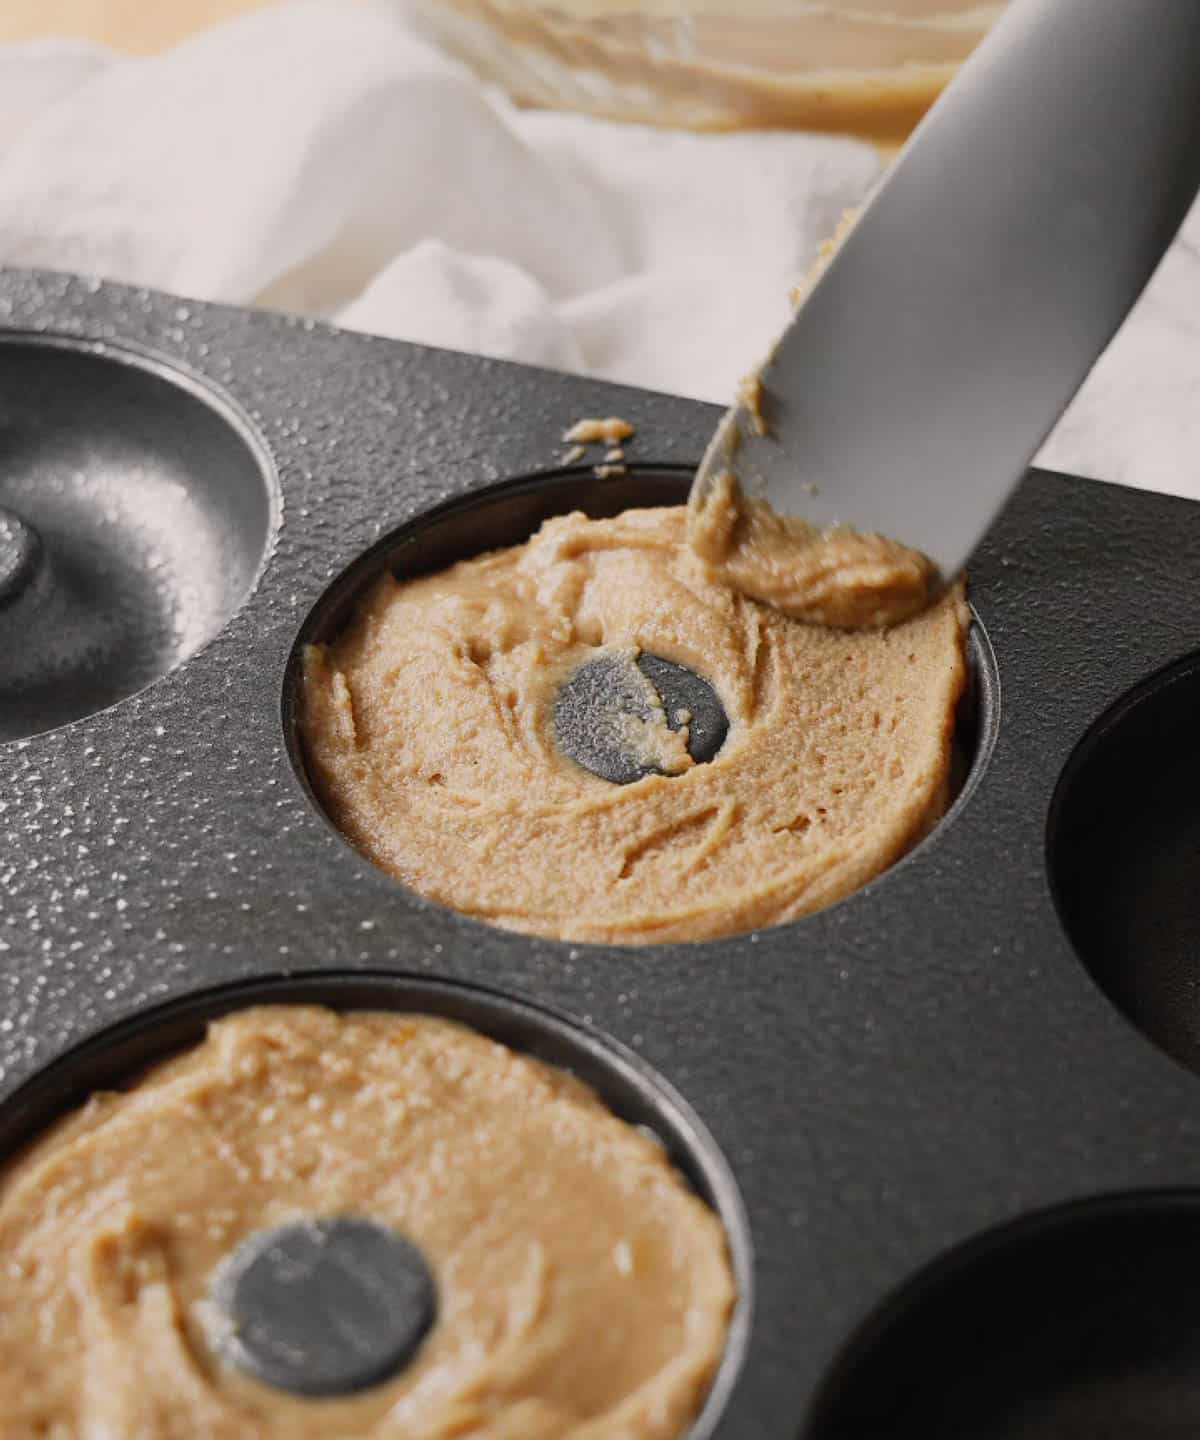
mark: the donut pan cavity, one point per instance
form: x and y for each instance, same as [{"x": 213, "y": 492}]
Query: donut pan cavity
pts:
[
  {"x": 508, "y": 514},
  {"x": 114, "y": 1059},
  {"x": 1124, "y": 855},
  {"x": 136, "y": 509},
  {"x": 930, "y": 1065}
]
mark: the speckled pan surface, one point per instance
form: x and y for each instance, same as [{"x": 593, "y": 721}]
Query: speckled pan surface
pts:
[{"x": 885, "y": 1079}]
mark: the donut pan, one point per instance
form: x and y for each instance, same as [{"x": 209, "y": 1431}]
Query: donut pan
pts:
[{"x": 952, "y": 1124}]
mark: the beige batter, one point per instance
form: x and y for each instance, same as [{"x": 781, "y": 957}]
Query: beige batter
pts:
[
  {"x": 584, "y": 1292},
  {"x": 870, "y": 66},
  {"x": 428, "y": 727},
  {"x": 838, "y": 577}
]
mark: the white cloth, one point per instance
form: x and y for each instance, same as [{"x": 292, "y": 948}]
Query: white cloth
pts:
[{"x": 319, "y": 157}]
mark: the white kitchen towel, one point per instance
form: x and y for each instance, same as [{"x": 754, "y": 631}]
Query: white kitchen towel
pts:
[{"x": 319, "y": 157}]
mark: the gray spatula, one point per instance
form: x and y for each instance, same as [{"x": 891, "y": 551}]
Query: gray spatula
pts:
[{"x": 1009, "y": 241}]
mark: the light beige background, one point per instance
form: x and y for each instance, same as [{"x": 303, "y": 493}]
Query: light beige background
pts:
[{"x": 128, "y": 24}]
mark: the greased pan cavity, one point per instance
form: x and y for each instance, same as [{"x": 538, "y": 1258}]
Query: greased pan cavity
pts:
[{"x": 889, "y": 1081}]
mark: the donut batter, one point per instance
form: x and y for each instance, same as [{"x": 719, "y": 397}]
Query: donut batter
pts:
[
  {"x": 584, "y": 1291},
  {"x": 427, "y": 725},
  {"x": 836, "y": 577},
  {"x": 872, "y": 67}
]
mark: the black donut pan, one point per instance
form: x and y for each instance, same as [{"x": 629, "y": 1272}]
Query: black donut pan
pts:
[{"x": 886, "y": 1080}]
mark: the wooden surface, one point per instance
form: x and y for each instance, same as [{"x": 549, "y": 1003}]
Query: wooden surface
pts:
[{"x": 140, "y": 25}]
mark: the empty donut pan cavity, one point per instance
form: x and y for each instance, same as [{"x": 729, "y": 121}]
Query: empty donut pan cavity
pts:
[
  {"x": 1124, "y": 856},
  {"x": 135, "y": 512},
  {"x": 1079, "y": 1323},
  {"x": 888, "y": 1103}
]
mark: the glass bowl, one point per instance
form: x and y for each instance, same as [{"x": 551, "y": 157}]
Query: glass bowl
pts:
[{"x": 871, "y": 67}]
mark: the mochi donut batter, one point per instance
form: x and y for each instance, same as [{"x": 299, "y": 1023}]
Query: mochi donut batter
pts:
[
  {"x": 828, "y": 577},
  {"x": 429, "y": 730},
  {"x": 583, "y": 1291}
]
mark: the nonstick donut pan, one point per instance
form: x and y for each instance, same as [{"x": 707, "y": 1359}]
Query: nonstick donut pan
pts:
[{"x": 952, "y": 1124}]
